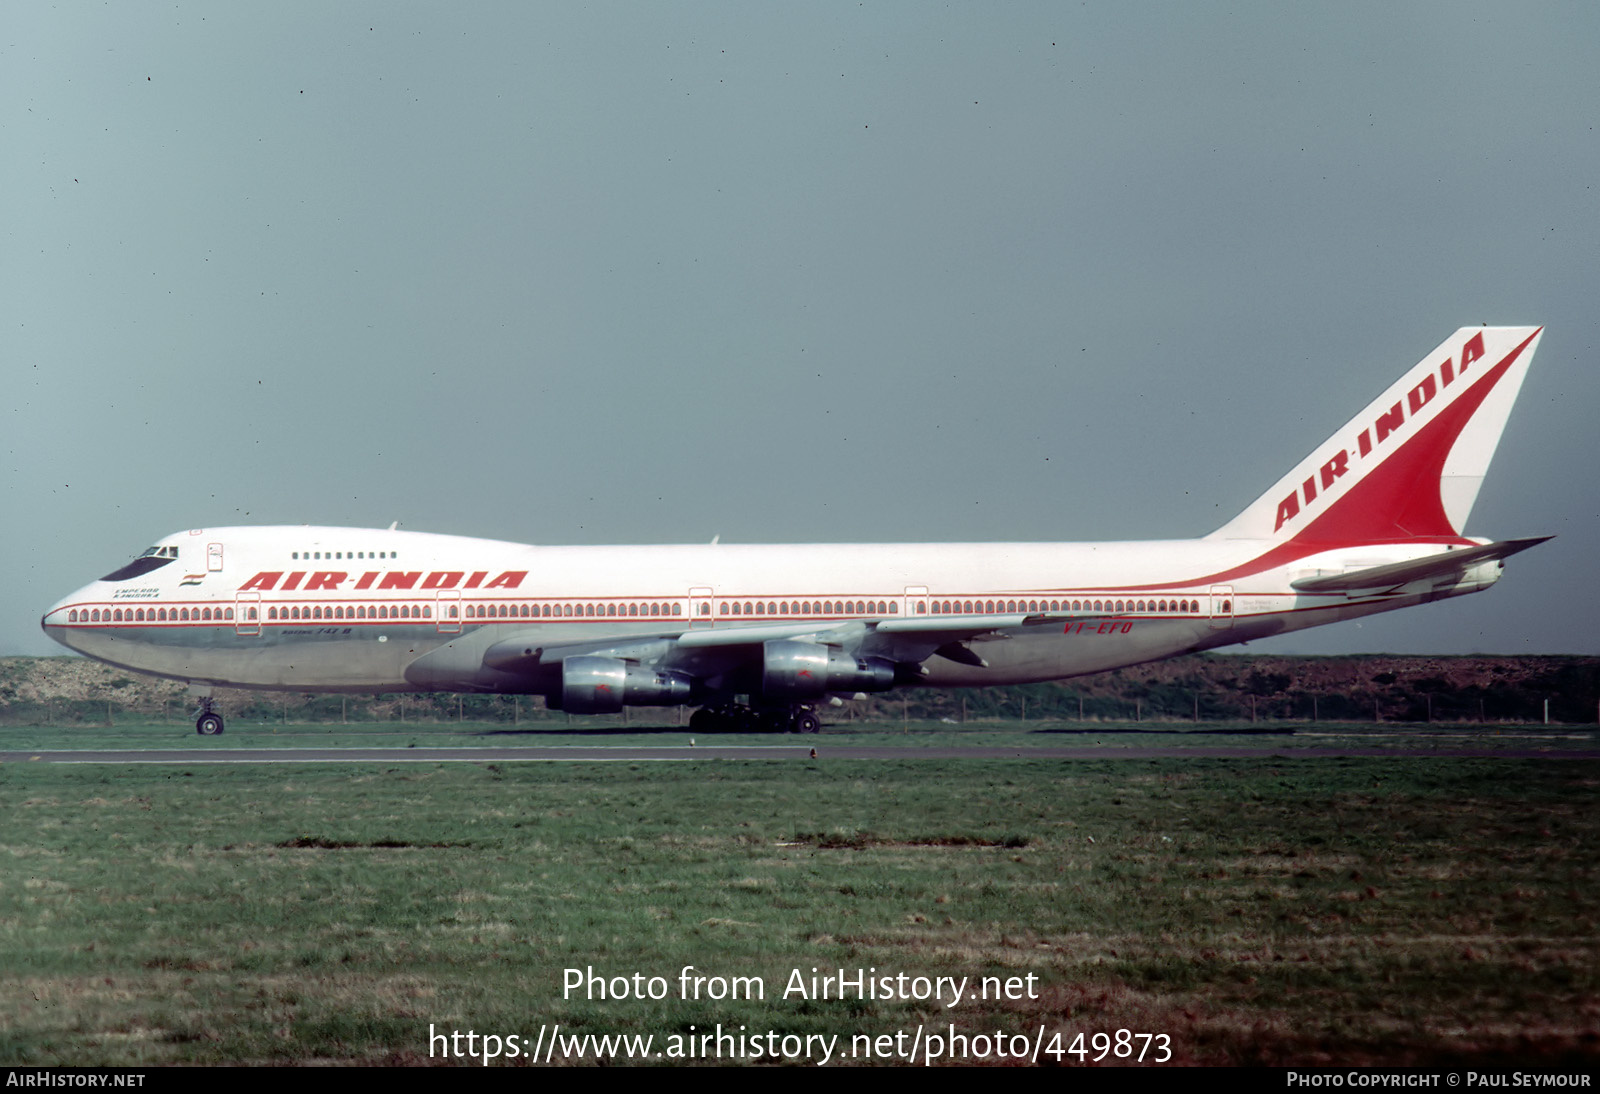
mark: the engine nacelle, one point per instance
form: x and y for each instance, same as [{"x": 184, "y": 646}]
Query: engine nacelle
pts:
[
  {"x": 604, "y": 685},
  {"x": 795, "y": 669}
]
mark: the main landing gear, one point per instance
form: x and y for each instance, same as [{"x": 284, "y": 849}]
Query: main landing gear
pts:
[
  {"x": 738, "y": 718},
  {"x": 209, "y": 724}
]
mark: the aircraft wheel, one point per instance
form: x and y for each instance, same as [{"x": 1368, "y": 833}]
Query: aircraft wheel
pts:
[
  {"x": 807, "y": 722},
  {"x": 703, "y": 721},
  {"x": 208, "y": 725}
]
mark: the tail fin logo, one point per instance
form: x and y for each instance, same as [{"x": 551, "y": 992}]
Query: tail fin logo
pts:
[
  {"x": 1372, "y": 442},
  {"x": 1409, "y": 465}
]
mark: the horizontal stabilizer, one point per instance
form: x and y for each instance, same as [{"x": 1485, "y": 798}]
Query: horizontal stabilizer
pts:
[{"x": 1452, "y": 562}]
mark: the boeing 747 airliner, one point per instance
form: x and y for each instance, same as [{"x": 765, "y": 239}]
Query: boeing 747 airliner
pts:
[{"x": 756, "y": 636}]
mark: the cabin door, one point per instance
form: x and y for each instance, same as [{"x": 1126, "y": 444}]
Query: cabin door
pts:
[
  {"x": 702, "y": 610},
  {"x": 449, "y": 611},
  {"x": 247, "y": 613},
  {"x": 1221, "y": 607}
]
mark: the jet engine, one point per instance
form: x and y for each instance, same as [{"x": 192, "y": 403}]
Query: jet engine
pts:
[
  {"x": 795, "y": 669},
  {"x": 604, "y": 685}
]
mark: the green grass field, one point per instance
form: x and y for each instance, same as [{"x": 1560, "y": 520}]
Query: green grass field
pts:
[{"x": 1333, "y": 911}]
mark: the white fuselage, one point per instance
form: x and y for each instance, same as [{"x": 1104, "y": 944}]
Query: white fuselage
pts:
[{"x": 334, "y": 609}]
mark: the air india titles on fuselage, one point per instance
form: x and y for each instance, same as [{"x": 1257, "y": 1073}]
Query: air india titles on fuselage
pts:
[{"x": 317, "y": 580}]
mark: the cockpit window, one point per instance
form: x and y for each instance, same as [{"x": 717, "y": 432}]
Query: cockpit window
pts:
[{"x": 153, "y": 559}]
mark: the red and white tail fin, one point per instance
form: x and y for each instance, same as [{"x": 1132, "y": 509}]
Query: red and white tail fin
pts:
[{"x": 1410, "y": 464}]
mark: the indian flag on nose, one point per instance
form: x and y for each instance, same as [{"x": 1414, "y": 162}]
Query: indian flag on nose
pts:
[{"x": 192, "y": 579}]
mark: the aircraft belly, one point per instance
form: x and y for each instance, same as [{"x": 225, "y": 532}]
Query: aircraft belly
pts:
[
  {"x": 330, "y": 662},
  {"x": 1023, "y": 657}
]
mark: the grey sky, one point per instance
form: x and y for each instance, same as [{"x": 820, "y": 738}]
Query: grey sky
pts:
[{"x": 651, "y": 273}]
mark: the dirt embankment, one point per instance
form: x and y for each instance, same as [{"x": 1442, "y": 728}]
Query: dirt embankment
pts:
[{"x": 1210, "y": 687}]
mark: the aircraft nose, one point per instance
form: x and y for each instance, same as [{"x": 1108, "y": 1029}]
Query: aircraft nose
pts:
[{"x": 58, "y": 621}]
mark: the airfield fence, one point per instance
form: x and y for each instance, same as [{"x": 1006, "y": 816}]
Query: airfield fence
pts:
[{"x": 1168, "y": 704}]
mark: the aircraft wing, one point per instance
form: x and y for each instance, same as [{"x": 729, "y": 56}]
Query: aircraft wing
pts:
[
  {"x": 715, "y": 651},
  {"x": 1393, "y": 575}
]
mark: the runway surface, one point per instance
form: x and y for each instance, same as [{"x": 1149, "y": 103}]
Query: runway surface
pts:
[{"x": 785, "y": 752}]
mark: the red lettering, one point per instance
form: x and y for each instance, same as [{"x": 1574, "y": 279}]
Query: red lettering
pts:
[
  {"x": 1447, "y": 371},
  {"x": 367, "y": 579},
  {"x": 511, "y": 579},
  {"x": 294, "y": 580},
  {"x": 1334, "y": 468},
  {"x": 476, "y": 579},
  {"x": 325, "y": 579},
  {"x": 1471, "y": 351},
  {"x": 1288, "y": 509},
  {"x": 266, "y": 580},
  {"x": 1364, "y": 441},
  {"x": 396, "y": 579},
  {"x": 1390, "y": 422},
  {"x": 442, "y": 579},
  {"x": 1422, "y": 394},
  {"x": 1310, "y": 488}
]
